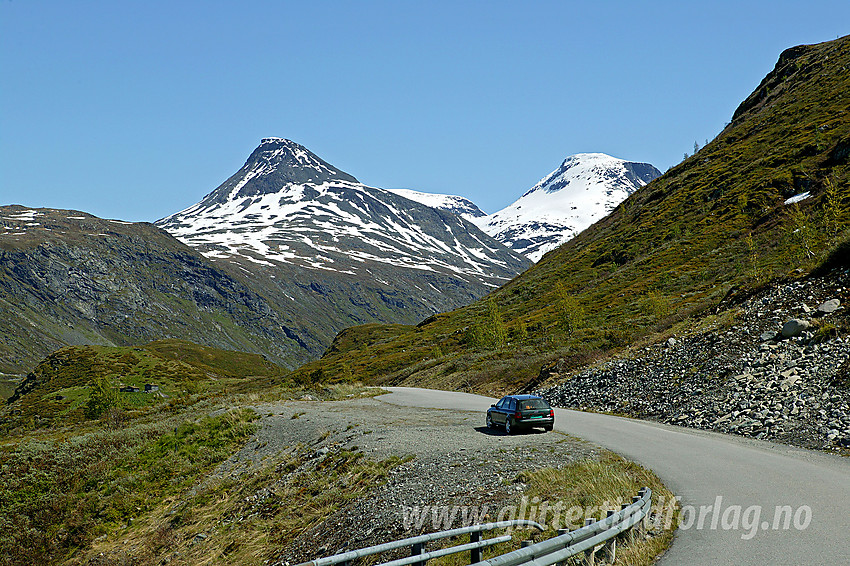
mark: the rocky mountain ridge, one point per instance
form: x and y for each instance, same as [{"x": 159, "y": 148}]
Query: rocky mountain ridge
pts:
[
  {"x": 460, "y": 206},
  {"x": 283, "y": 255},
  {"x": 68, "y": 277}
]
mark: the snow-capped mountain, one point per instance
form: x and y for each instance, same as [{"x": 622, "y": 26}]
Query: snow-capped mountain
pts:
[
  {"x": 584, "y": 189},
  {"x": 463, "y": 207},
  {"x": 288, "y": 206}
]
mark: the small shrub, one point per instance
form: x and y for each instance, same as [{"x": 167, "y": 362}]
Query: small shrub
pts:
[
  {"x": 570, "y": 312},
  {"x": 656, "y": 305},
  {"x": 102, "y": 398},
  {"x": 824, "y": 332}
]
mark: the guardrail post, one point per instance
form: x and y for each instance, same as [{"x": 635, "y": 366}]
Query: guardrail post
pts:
[
  {"x": 646, "y": 524},
  {"x": 610, "y": 546},
  {"x": 475, "y": 553},
  {"x": 416, "y": 550},
  {"x": 526, "y": 543},
  {"x": 637, "y": 530},
  {"x": 590, "y": 553}
]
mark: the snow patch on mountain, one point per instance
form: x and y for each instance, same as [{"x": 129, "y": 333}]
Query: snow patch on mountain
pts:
[
  {"x": 584, "y": 189},
  {"x": 463, "y": 207}
]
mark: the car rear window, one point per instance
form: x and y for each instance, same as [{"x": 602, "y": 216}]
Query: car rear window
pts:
[{"x": 531, "y": 404}]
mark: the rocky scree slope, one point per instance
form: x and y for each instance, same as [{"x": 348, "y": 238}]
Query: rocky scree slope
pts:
[
  {"x": 774, "y": 366},
  {"x": 583, "y": 190},
  {"x": 69, "y": 278}
]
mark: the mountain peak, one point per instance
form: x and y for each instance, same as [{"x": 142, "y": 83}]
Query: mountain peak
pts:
[
  {"x": 274, "y": 166},
  {"x": 582, "y": 168},
  {"x": 286, "y": 206},
  {"x": 584, "y": 189},
  {"x": 585, "y": 157}
]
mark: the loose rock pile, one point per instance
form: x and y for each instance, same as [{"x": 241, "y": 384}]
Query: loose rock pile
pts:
[{"x": 776, "y": 366}]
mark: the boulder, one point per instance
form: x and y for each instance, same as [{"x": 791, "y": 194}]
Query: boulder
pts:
[
  {"x": 829, "y": 306},
  {"x": 794, "y": 327}
]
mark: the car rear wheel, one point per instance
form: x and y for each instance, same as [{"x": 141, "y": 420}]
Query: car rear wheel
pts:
[
  {"x": 508, "y": 426},
  {"x": 489, "y": 421},
  {"x": 547, "y": 428}
]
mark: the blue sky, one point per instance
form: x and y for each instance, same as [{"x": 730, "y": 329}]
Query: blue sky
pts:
[{"x": 135, "y": 110}]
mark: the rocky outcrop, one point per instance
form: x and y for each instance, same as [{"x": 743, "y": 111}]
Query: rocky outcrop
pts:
[{"x": 742, "y": 375}]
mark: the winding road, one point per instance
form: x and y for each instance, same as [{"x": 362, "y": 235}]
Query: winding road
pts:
[{"x": 752, "y": 476}]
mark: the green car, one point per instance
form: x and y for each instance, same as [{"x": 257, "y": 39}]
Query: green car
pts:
[{"x": 515, "y": 412}]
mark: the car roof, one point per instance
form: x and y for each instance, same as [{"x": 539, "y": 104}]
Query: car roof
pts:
[{"x": 524, "y": 397}]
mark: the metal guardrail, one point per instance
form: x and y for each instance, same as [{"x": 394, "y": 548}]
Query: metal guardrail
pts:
[
  {"x": 568, "y": 544},
  {"x": 545, "y": 553},
  {"x": 417, "y": 545}
]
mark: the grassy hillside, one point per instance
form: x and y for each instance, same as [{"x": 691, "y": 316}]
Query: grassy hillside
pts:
[
  {"x": 81, "y": 383},
  {"x": 82, "y": 462},
  {"x": 711, "y": 228}
]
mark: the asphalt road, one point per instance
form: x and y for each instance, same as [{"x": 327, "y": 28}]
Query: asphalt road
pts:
[{"x": 701, "y": 466}]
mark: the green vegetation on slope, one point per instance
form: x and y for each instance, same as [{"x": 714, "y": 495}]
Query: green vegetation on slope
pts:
[
  {"x": 254, "y": 515},
  {"x": 713, "y": 226},
  {"x": 81, "y": 383},
  {"x": 81, "y": 487},
  {"x": 58, "y": 496},
  {"x": 83, "y": 464}
]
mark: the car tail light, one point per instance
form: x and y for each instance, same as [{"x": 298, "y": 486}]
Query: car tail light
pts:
[
  {"x": 517, "y": 415},
  {"x": 552, "y": 413}
]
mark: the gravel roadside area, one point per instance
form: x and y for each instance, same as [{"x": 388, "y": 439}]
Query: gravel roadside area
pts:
[{"x": 456, "y": 461}]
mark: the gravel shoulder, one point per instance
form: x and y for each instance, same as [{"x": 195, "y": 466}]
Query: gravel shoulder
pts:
[{"x": 456, "y": 461}]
